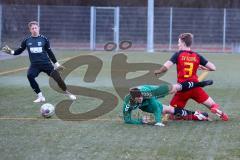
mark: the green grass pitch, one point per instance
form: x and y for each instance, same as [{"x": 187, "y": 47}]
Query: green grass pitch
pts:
[{"x": 25, "y": 135}]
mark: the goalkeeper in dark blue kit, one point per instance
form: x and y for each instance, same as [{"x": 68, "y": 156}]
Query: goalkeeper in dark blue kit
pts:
[{"x": 41, "y": 58}]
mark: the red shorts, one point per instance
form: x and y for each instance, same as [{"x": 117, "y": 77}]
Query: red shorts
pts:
[{"x": 180, "y": 98}]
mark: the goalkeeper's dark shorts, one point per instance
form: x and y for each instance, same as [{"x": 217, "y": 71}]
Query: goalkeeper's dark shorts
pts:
[{"x": 35, "y": 69}]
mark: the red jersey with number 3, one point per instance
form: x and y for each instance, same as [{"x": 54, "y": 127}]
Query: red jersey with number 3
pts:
[{"x": 187, "y": 65}]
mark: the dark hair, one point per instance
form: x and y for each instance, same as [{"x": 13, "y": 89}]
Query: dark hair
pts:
[
  {"x": 135, "y": 92},
  {"x": 187, "y": 38}
]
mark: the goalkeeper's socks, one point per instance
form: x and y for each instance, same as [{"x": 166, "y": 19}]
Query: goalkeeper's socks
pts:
[
  {"x": 40, "y": 94},
  {"x": 70, "y": 95},
  {"x": 183, "y": 114}
]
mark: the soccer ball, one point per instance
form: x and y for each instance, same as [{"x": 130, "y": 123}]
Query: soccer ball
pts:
[{"x": 47, "y": 110}]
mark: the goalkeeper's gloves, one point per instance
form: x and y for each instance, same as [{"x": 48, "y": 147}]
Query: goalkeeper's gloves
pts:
[
  {"x": 7, "y": 50},
  {"x": 145, "y": 119},
  {"x": 58, "y": 67},
  {"x": 159, "y": 124}
]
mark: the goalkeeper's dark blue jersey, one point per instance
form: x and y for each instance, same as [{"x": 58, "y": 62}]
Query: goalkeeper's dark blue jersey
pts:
[{"x": 38, "y": 49}]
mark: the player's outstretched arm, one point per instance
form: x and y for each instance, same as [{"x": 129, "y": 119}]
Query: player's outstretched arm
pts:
[
  {"x": 210, "y": 66},
  {"x": 18, "y": 51},
  {"x": 127, "y": 112},
  {"x": 164, "y": 68},
  {"x": 57, "y": 66},
  {"x": 52, "y": 57},
  {"x": 7, "y": 50},
  {"x": 127, "y": 117},
  {"x": 157, "y": 111}
]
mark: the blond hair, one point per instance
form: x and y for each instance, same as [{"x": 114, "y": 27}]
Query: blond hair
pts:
[
  {"x": 187, "y": 38},
  {"x": 32, "y": 23}
]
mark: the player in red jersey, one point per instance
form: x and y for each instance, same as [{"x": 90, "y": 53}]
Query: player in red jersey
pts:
[{"x": 187, "y": 63}]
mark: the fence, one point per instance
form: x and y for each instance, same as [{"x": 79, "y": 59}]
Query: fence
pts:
[{"x": 215, "y": 30}]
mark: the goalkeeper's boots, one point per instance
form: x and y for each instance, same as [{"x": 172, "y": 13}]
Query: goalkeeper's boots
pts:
[
  {"x": 71, "y": 96},
  {"x": 215, "y": 109},
  {"x": 39, "y": 99},
  {"x": 159, "y": 124}
]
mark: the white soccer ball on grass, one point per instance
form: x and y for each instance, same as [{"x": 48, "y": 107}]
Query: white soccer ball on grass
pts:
[{"x": 47, "y": 110}]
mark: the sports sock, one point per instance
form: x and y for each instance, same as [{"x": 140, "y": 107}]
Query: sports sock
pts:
[
  {"x": 40, "y": 94},
  {"x": 182, "y": 112},
  {"x": 189, "y": 85}
]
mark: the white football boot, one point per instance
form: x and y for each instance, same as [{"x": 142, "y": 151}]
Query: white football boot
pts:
[
  {"x": 202, "y": 116},
  {"x": 159, "y": 124},
  {"x": 40, "y": 98}
]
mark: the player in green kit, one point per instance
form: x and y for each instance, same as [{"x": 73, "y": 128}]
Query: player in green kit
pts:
[{"x": 145, "y": 98}]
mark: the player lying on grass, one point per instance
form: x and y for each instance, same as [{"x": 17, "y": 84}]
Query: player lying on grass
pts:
[
  {"x": 40, "y": 55},
  {"x": 145, "y": 98},
  {"x": 187, "y": 63}
]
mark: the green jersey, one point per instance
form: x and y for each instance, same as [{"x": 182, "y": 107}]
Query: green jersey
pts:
[
  {"x": 149, "y": 91},
  {"x": 150, "y": 103}
]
